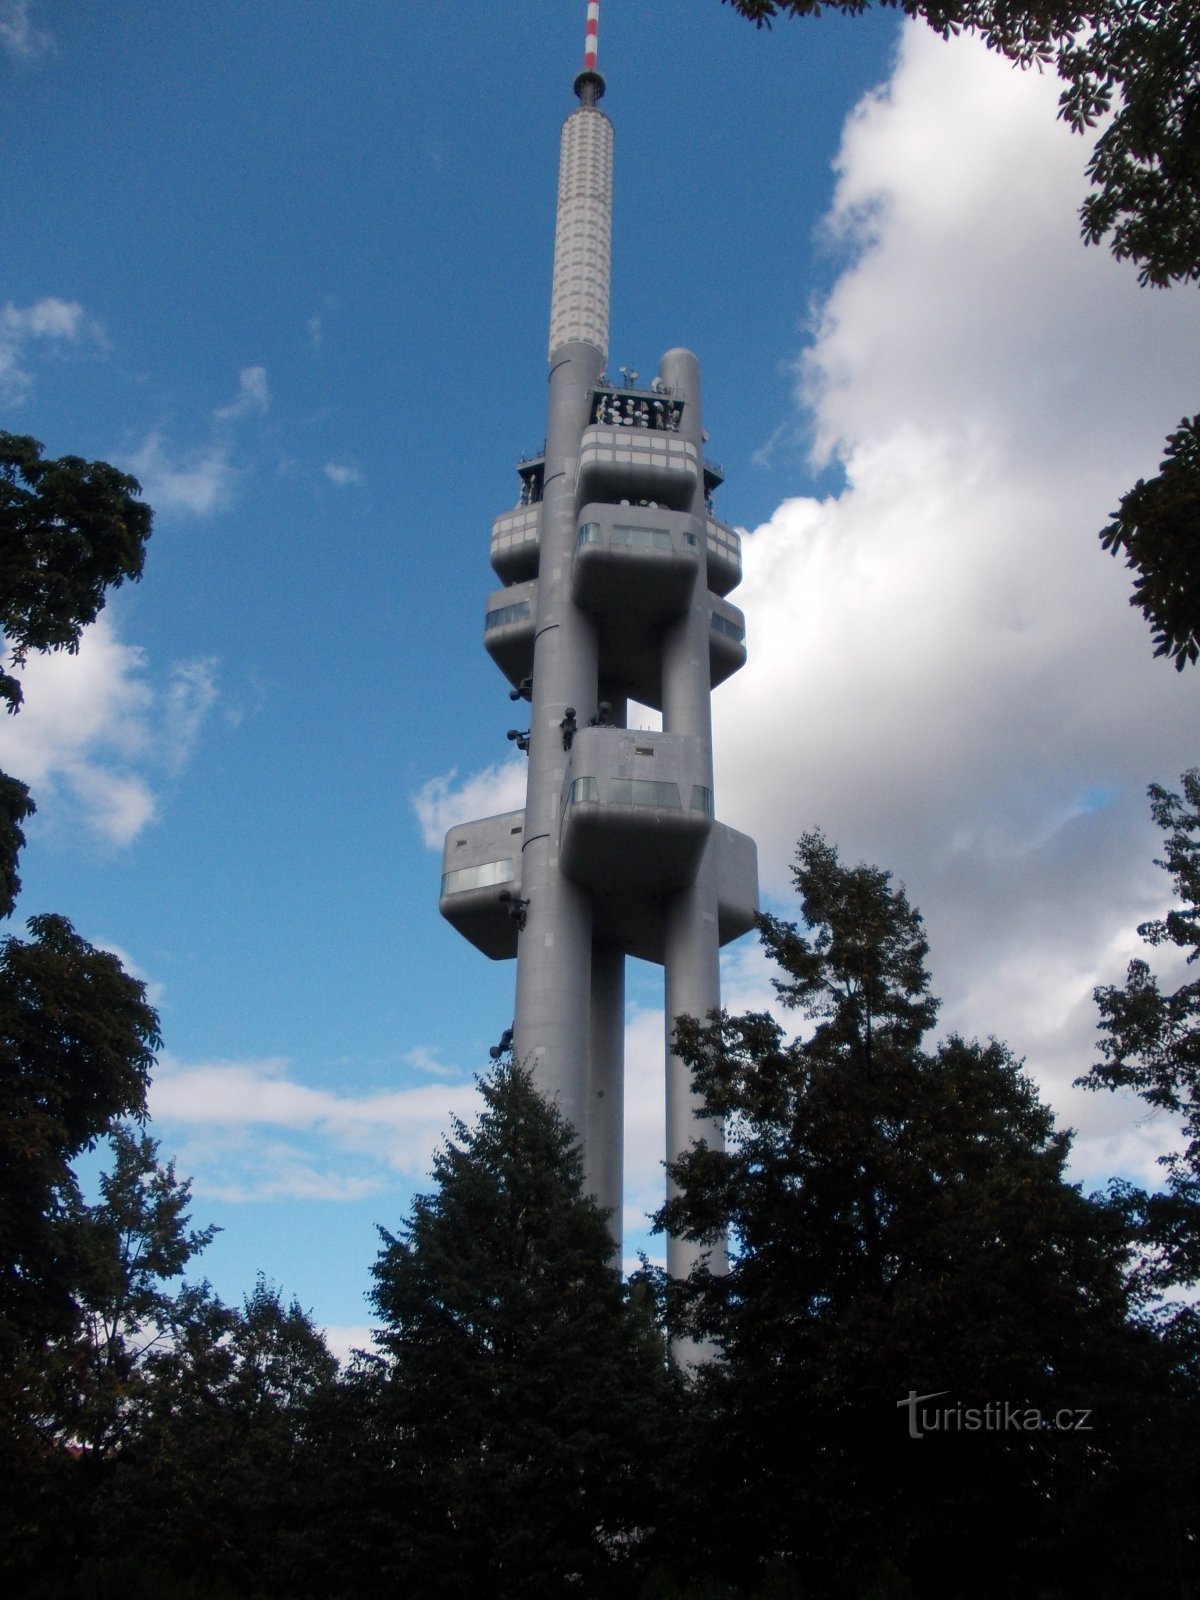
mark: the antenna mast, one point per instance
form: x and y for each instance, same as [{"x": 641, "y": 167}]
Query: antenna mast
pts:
[{"x": 589, "y": 85}]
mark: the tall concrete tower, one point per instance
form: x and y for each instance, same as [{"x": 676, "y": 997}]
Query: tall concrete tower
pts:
[{"x": 615, "y": 572}]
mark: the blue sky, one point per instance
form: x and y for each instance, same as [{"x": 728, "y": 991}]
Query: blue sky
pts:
[{"x": 290, "y": 265}]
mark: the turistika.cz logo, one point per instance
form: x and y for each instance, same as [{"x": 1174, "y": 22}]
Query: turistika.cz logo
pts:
[{"x": 998, "y": 1416}]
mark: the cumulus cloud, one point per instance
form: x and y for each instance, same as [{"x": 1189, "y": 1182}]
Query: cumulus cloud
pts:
[
  {"x": 445, "y": 801},
  {"x": 341, "y": 474},
  {"x": 255, "y": 1132},
  {"x": 96, "y": 735},
  {"x": 19, "y": 35},
  {"x": 973, "y": 704},
  {"x": 50, "y": 322}
]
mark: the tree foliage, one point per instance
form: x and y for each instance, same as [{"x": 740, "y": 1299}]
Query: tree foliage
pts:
[
  {"x": 219, "y": 1487},
  {"x": 133, "y": 1245},
  {"x": 902, "y": 1225},
  {"x": 69, "y": 531},
  {"x": 1157, "y": 530},
  {"x": 1150, "y": 1043},
  {"x": 77, "y": 1041},
  {"x": 523, "y": 1399}
]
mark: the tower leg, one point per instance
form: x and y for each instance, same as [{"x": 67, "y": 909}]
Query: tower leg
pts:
[
  {"x": 604, "y": 1170},
  {"x": 693, "y": 988}
]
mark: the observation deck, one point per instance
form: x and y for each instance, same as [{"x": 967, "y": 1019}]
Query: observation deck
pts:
[
  {"x": 641, "y": 559},
  {"x": 479, "y": 861},
  {"x": 636, "y": 809},
  {"x": 516, "y": 538},
  {"x": 508, "y": 629},
  {"x": 618, "y": 463}
]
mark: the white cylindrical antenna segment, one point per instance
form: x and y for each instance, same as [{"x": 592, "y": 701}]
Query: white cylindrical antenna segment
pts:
[
  {"x": 583, "y": 232},
  {"x": 592, "y": 36}
]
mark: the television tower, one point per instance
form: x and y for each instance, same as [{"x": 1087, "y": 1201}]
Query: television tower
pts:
[{"x": 615, "y": 572}]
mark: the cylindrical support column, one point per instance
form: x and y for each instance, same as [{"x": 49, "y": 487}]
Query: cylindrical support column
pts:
[
  {"x": 692, "y": 944},
  {"x": 554, "y": 952},
  {"x": 692, "y": 989},
  {"x": 604, "y": 1164}
]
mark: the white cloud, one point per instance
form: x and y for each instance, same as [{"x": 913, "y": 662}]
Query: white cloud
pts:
[
  {"x": 255, "y": 1132},
  {"x": 344, "y": 1338},
  {"x": 196, "y": 482},
  {"x": 969, "y": 699},
  {"x": 253, "y": 396},
  {"x": 189, "y": 696},
  {"x": 443, "y": 802},
  {"x": 341, "y": 474},
  {"x": 18, "y": 35},
  {"x": 95, "y": 734},
  {"x": 53, "y": 321}
]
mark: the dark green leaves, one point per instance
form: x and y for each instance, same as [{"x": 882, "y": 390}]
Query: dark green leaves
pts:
[
  {"x": 69, "y": 530},
  {"x": 1157, "y": 530}
]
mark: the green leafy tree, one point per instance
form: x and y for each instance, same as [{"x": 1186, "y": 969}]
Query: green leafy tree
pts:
[
  {"x": 1157, "y": 530},
  {"x": 77, "y": 1041},
  {"x": 134, "y": 1245},
  {"x": 70, "y": 530},
  {"x": 1150, "y": 1043},
  {"x": 902, "y": 1226},
  {"x": 220, "y": 1485},
  {"x": 524, "y": 1396}
]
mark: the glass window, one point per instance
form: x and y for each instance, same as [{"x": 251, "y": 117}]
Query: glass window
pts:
[
  {"x": 589, "y": 533},
  {"x": 702, "y": 799},
  {"x": 642, "y": 792},
  {"x": 730, "y": 629},
  {"x": 640, "y": 538},
  {"x": 583, "y": 789},
  {"x": 518, "y": 612},
  {"x": 477, "y": 877}
]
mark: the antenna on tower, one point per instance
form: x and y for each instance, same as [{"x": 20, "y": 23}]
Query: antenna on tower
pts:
[{"x": 589, "y": 85}]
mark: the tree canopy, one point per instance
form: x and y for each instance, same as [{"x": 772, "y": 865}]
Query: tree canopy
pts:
[
  {"x": 1157, "y": 530},
  {"x": 1150, "y": 1044},
  {"x": 70, "y": 530},
  {"x": 523, "y": 1397},
  {"x": 902, "y": 1227}
]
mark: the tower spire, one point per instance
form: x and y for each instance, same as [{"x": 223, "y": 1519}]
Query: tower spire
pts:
[{"x": 589, "y": 85}]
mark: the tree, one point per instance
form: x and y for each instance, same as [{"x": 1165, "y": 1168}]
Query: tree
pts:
[
  {"x": 522, "y": 1405},
  {"x": 134, "y": 1244},
  {"x": 69, "y": 531},
  {"x": 1151, "y": 1044},
  {"x": 1156, "y": 529},
  {"x": 77, "y": 1041},
  {"x": 219, "y": 1487},
  {"x": 902, "y": 1227}
]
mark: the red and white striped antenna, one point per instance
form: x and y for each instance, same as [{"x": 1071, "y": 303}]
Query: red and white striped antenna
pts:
[{"x": 591, "y": 36}]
